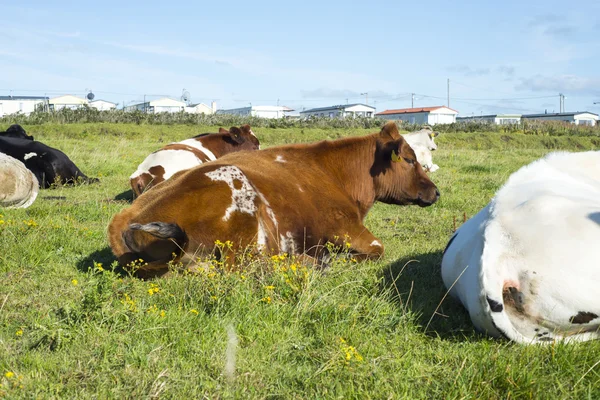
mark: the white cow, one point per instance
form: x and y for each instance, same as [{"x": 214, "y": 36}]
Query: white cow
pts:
[
  {"x": 527, "y": 266},
  {"x": 18, "y": 185},
  {"x": 423, "y": 144}
]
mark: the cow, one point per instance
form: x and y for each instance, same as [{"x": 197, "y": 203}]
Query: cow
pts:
[
  {"x": 290, "y": 199},
  {"x": 174, "y": 157},
  {"x": 423, "y": 144},
  {"x": 16, "y": 131},
  {"x": 526, "y": 266},
  {"x": 49, "y": 165},
  {"x": 18, "y": 186}
]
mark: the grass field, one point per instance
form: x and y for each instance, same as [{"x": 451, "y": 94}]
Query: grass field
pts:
[{"x": 71, "y": 327}]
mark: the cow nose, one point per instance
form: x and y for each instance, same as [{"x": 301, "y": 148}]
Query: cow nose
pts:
[{"x": 437, "y": 193}]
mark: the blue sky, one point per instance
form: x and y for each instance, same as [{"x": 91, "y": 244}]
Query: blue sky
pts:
[{"x": 501, "y": 57}]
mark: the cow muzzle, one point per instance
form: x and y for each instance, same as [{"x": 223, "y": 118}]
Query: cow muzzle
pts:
[{"x": 425, "y": 199}]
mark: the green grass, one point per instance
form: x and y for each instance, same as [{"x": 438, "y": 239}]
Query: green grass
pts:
[{"x": 370, "y": 330}]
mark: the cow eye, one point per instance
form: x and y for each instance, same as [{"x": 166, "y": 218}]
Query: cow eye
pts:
[{"x": 408, "y": 160}]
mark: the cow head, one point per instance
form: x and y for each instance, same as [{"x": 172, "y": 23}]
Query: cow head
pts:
[
  {"x": 398, "y": 177},
  {"x": 16, "y": 131},
  {"x": 431, "y": 134},
  {"x": 244, "y": 136}
]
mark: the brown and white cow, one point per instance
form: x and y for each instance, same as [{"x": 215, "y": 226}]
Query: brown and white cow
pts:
[
  {"x": 174, "y": 157},
  {"x": 286, "y": 199}
]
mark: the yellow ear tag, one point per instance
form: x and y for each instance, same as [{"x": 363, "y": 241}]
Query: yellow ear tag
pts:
[{"x": 395, "y": 157}]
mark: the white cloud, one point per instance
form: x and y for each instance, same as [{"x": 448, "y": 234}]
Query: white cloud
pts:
[
  {"x": 468, "y": 71},
  {"x": 561, "y": 83}
]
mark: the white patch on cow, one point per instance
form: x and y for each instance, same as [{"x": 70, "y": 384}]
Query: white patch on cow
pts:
[
  {"x": 29, "y": 155},
  {"x": 287, "y": 243},
  {"x": 376, "y": 243},
  {"x": 270, "y": 212},
  {"x": 242, "y": 199},
  {"x": 198, "y": 145},
  {"x": 261, "y": 236},
  {"x": 171, "y": 160},
  {"x": 280, "y": 159}
]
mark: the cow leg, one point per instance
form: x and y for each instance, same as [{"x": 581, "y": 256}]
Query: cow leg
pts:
[{"x": 361, "y": 243}]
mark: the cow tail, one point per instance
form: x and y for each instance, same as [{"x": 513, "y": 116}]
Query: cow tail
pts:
[{"x": 173, "y": 240}]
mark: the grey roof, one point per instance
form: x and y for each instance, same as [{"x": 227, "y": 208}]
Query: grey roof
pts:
[
  {"x": 23, "y": 98},
  {"x": 564, "y": 114},
  {"x": 337, "y": 107},
  {"x": 490, "y": 116}
]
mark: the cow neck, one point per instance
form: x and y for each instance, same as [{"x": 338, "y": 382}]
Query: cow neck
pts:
[{"x": 350, "y": 161}]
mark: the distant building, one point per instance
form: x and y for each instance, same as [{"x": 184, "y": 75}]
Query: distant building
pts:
[
  {"x": 66, "y": 101},
  {"x": 164, "y": 104},
  {"x": 577, "y": 118},
  {"x": 341, "y": 111},
  {"x": 421, "y": 115},
  {"x": 103, "y": 105},
  {"x": 20, "y": 104},
  {"x": 498, "y": 119},
  {"x": 259, "y": 111},
  {"x": 201, "y": 108}
]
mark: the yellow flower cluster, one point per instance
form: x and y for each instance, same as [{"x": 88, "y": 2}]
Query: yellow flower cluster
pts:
[
  {"x": 153, "y": 289},
  {"x": 12, "y": 382},
  {"x": 153, "y": 309},
  {"x": 30, "y": 223},
  {"x": 128, "y": 302},
  {"x": 350, "y": 352}
]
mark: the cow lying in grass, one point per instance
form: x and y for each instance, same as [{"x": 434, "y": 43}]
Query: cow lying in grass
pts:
[
  {"x": 49, "y": 165},
  {"x": 526, "y": 266},
  {"x": 174, "y": 157},
  {"x": 18, "y": 186},
  {"x": 287, "y": 199},
  {"x": 422, "y": 143}
]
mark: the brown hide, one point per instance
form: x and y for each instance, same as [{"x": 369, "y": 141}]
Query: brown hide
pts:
[
  {"x": 291, "y": 198},
  {"x": 219, "y": 144}
]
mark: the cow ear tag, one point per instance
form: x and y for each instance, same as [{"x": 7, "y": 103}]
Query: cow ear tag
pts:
[{"x": 395, "y": 157}]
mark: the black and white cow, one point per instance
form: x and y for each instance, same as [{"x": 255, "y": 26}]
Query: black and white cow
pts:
[{"x": 48, "y": 164}]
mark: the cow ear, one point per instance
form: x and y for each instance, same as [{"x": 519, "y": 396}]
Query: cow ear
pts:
[
  {"x": 390, "y": 131},
  {"x": 223, "y": 130},
  {"x": 236, "y": 134},
  {"x": 246, "y": 129},
  {"x": 433, "y": 134}
]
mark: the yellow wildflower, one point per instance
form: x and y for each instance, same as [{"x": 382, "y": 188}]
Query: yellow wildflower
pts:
[
  {"x": 267, "y": 299},
  {"x": 153, "y": 289},
  {"x": 74, "y": 282},
  {"x": 270, "y": 287},
  {"x": 19, "y": 332},
  {"x": 162, "y": 313},
  {"x": 194, "y": 311},
  {"x": 9, "y": 374}
]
